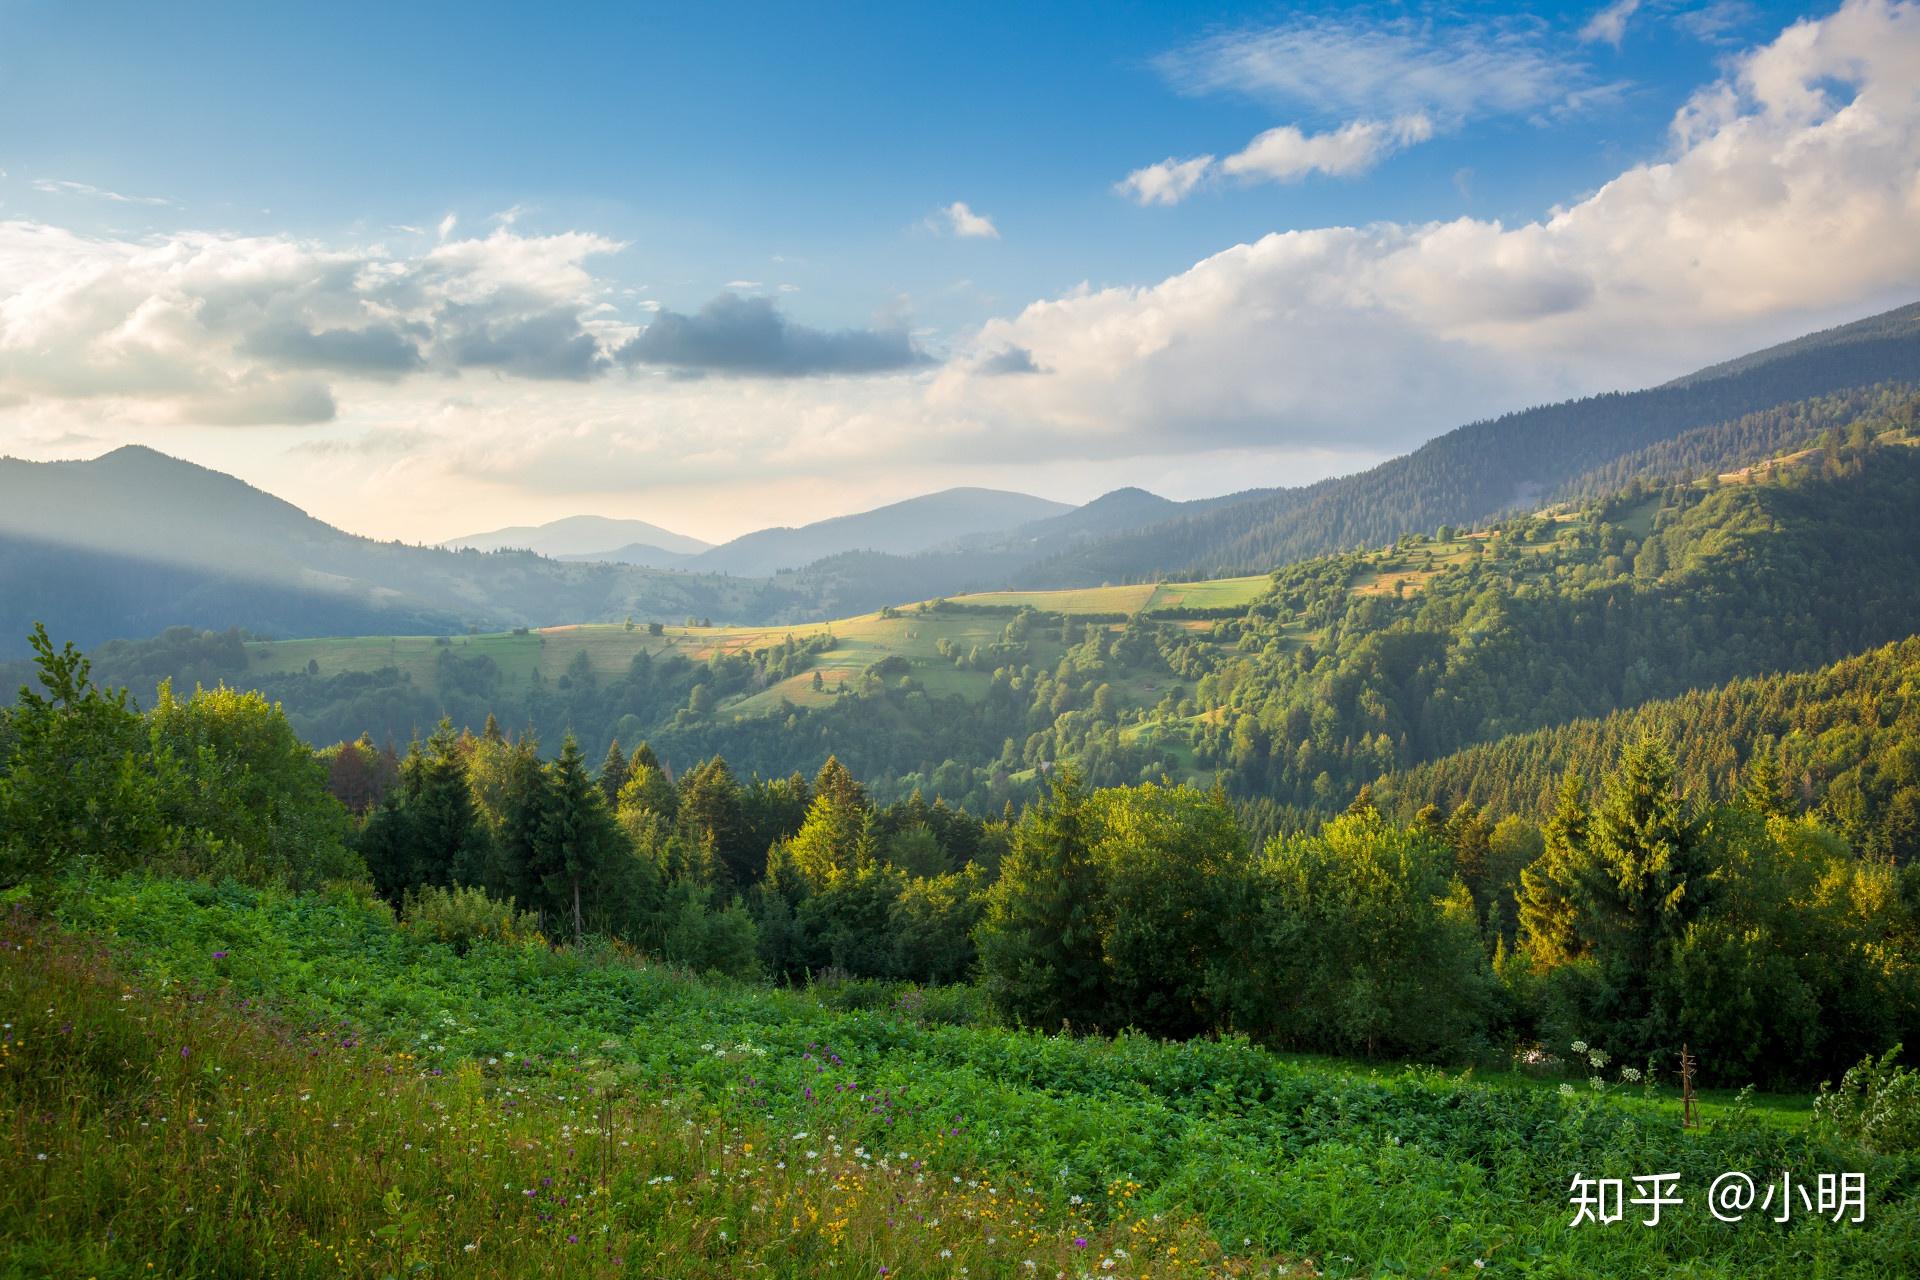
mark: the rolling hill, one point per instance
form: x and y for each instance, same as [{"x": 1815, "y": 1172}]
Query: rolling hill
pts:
[
  {"x": 133, "y": 541},
  {"x": 900, "y": 528},
  {"x": 588, "y": 537},
  {"x": 1483, "y": 469}
]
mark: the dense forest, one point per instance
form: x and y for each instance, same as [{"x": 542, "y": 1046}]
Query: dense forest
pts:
[
  {"x": 1846, "y": 739},
  {"x": 1638, "y": 914}
]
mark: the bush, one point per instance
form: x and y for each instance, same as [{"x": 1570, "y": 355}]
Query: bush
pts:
[
  {"x": 462, "y": 916},
  {"x": 1877, "y": 1105}
]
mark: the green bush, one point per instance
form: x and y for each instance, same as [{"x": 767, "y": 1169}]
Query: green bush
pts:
[
  {"x": 1876, "y": 1105},
  {"x": 462, "y": 916}
]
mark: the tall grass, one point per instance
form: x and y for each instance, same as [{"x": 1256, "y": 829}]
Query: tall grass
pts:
[
  {"x": 514, "y": 1063},
  {"x": 169, "y": 1133}
]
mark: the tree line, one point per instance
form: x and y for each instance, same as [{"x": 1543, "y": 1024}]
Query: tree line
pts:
[{"x": 1638, "y": 915}]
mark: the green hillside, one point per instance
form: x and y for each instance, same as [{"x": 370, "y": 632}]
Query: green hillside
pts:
[
  {"x": 617, "y": 1118},
  {"x": 1846, "y": 737}
]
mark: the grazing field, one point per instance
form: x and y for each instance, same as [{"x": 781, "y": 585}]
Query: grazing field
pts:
[
  {"x": 614, "y": 1118},
  {"x": 858, "y": 643}
]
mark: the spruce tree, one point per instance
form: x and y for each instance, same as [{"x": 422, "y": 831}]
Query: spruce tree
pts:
[
  {"x": 613, "y": 774},
  {"x": 1545, "y": 901},
  {"x": 1040, "y": 947}
]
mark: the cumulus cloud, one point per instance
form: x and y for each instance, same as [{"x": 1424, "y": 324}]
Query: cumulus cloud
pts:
[
  {"x": 741, "y": 335},
  {"x": 199, "y": 327},
  {"x": 959, "y": 219},
  {"x": 1168, "y": 182},
  {"x": 1286, "y": 153},
  {"x": 377, "y": 350},
  {"x": 1786, "y": 200},
  {"x": 1609, "y": 25},
  {"x": 1283, "y": 154},
  {"x": 1006, "y": 361}
]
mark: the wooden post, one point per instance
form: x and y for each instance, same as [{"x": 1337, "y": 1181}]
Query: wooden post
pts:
[{"x": 1689, "y": 1112}]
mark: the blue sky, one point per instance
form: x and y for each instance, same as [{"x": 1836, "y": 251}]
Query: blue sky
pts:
[{"x": 810, "y": 162}]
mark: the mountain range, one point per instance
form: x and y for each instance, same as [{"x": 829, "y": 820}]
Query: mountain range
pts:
[{"x": 134, "y": 541}]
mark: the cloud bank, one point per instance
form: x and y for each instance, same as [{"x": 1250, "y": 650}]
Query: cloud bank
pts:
[{"x": 1785, "y": 197}]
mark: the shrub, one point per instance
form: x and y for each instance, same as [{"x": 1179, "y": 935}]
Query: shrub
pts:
[
  {"x": 462, "y": 916},
  {"x": 1877, "y": 1105}
]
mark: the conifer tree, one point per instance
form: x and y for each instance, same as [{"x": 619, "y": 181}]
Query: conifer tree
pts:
[
  {"x": 1545, "y": 901},
  {"x": 1040, "y": 941},
  {"x": 613, "y": 774}
]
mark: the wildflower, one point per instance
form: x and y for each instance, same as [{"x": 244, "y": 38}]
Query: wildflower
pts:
[
  {"x": 219, "y": 955},
  {"x": 1566, "y": 1091},
  {"x": 1579, "y": 1046},
  {"x": 1630, "y": 1074},
  {"x": 1079, "y": 1242}
]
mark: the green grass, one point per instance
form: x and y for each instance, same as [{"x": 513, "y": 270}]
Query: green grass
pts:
[{"x": 1361, "y": 1170}]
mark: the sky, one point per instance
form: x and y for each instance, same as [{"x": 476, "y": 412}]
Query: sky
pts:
[{"x": 426, "y": 270}]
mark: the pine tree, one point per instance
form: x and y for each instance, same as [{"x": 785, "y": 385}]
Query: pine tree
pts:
[
  {"x": 613, "y": 774},
  {"x": 1764, "y": 788},
  {"x": 836, "y": 837},
  {"x": 1040, "y": 947},
  {"x": 1545, "y": 901},
  {"x": 578, "y": 841}
]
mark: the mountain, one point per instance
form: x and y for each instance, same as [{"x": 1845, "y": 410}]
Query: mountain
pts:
[
  {"x": 583, "y": 538},
  {"x": 1481, "y": 470},
  {"x": 643, "y": 554},
  {"x": 135, "y": 541},
  {"x": 1847, "y": 737},
  {"x": 900, "y": 528}
]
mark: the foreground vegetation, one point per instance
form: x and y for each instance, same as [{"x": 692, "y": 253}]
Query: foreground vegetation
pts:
[{"x": 577, "y": 1112}]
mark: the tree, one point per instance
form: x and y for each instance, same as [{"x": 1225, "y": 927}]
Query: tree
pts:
[
  {"x": 1365, "y": 945},
  {"x": 835, "y": 840},
  {"x": 613, "y": 773},
  {"x": 1545, "y": 905},
  {"x": 1040, "y": 940},
  {"x": 249, "y": 797},
  {"x": 578, "y": 841},
  {"x": 76, "y": 786},
  {"x": 1174, "y": 883},
  {"x": 1764, "y": 787},
  {"x": 710, "y": 815}
]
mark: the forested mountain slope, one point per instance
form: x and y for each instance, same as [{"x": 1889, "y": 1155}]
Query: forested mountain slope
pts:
[
  {"x": 1341, "y": 678},
  {"x": 1846, "y": 738},
  {"x": 1349, "y": 667},
  {"x": 1480, "y": 470}
]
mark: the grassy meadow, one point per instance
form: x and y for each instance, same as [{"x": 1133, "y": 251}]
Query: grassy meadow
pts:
[{"x": 201, "y": 1077}]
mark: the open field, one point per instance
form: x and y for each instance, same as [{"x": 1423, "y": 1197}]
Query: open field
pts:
[
  {"x": 616, "y": 1118},
  {"x": 859, "y": 642}
]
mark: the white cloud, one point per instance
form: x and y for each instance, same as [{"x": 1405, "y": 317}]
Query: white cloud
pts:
[
  {"x": 1390, "y": 84},
  {"x": 202, "y": 327},
  {"x": 60, "y": 187},
  {"x": 1609, "y": 26},
  {"x": 1353, "y": 67},
  {"x": 1168, "y": 182},
  {"x": 1286, "y": 153},
  {"x": 1788, "y": 200},
  {"x": 960, "y": 220}
]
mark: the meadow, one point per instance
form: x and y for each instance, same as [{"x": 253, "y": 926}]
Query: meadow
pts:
[{"x": 203, "y": 1076}]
